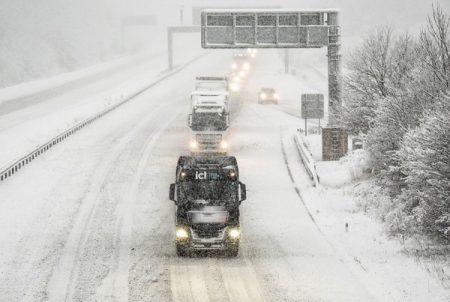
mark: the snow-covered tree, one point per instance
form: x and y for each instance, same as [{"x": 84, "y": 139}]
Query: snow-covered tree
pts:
[
  {"x": 425, "y": 161},
  {"x": 379, "y": 69}
]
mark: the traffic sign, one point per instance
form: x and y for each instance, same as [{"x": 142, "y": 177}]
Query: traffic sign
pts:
[
  {"x": 312, "y": 106},
  {"x": 242, "y": 28}
]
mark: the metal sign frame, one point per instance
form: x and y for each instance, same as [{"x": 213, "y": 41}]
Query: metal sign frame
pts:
[
  {"x": 309, "y": 29},
  {"x": 280, "y": 28},
  {"x": 171, "y": 30}
]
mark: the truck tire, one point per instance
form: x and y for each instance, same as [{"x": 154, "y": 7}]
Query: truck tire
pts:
[{"x": 181, "y": 251}]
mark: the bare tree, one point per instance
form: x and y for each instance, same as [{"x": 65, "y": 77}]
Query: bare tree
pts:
[
  {"x": 435, "y": 52},
  {"x": 381, "y": 68}
]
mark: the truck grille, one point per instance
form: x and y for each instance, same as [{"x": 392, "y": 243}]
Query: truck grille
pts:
[
  {"x": 209, "y": 141},
  {"x": 207, "y": 233}
]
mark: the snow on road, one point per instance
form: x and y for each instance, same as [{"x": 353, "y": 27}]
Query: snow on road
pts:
[
  {"x": 91, "y": 220},
  {"x": 29, "y": 121}
]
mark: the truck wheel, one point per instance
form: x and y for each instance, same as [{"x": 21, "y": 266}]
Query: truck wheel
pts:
[{"x": 181, "y": 251}]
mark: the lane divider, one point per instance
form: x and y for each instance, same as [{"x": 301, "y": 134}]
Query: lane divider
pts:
[{"x": 18, "y": 164}]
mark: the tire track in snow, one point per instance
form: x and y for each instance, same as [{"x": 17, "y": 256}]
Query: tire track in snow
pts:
[
  {"x": 121, "y": 288},
  {"x": 61, "y": 284}
]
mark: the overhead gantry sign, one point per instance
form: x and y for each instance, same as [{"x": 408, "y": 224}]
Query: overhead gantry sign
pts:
[
  {"x": 239, "y": 28},
  {"x": 280, "y": 28}
]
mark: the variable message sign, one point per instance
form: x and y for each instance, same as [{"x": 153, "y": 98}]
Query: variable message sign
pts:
[{"x": 242, "y": 28}]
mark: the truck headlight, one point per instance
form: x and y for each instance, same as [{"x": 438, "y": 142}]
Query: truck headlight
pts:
[
  {"x": 234, "y": 66},
  {"x": 242, "y": 73},
  {"x": 234, "y": 233},
  {"x": 193, "y": 145},
  {"x": 263, "y": 96},
  {"x": 224, "y": 145},
  {"x": 275, "y": 96},
  {"x": 182, "y": 233},
  {"x": 246, "y": 66}
]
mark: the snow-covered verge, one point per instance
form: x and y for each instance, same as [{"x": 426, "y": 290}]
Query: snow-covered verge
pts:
[
  {"x": 24, "y": 129},
  {"x": 50, "y": 37},
  {"x": 67, "y": 79},
  {"x": 340, "y": 208}
]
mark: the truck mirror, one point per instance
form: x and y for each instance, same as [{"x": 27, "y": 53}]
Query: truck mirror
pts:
[
  {"x": 172, "y": 192},
  {"x": 243, "y": 191},
  {"x": 190, "y": 120}
]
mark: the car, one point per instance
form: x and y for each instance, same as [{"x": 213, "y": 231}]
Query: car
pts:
[
  {"x": 267, "y": 95},
  {"x": 241, "y": 63}
]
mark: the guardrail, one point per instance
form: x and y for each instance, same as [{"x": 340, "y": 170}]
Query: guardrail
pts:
[
  {"x": 14, "y": 167},
  {"x": 306, "y": 158}
]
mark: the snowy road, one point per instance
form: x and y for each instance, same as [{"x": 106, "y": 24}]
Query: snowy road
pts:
[{"x": 91, "y": 220}]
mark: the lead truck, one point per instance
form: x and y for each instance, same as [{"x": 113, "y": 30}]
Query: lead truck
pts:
[
  {"x": 209, "y": 117},
  {"x": 207, "y": 194}
]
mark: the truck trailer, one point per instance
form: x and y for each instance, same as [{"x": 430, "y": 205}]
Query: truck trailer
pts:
[{"x": 209, "y": 118}]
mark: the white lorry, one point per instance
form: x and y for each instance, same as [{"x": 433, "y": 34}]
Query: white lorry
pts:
[{"x": 209, "y": 117}]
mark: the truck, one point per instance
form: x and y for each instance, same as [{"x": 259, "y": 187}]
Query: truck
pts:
[
  {"x": 207, "y": 194},
  {"x": 209, "y": 117},
  {"x": 208, "y": 83}
]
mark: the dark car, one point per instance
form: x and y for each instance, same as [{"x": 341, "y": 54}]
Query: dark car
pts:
[{"x": 267, "y": 95}]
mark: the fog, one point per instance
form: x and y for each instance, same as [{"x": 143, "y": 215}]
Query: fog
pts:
[{"x": 41, "y": 38}]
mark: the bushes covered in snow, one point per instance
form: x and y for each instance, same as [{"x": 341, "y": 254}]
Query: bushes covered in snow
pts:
[{"x": 397, "y": 96}]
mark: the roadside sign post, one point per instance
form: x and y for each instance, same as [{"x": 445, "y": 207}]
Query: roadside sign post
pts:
[{"x": 312, "y": 107}]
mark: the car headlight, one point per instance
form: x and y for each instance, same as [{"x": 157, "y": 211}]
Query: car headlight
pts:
[
  {"x": 246, "y": 66},
  {"x": 182, "y": 233},
  {"x": 242, "y": 73},
  {"x": 275, "y": 96},
  {"x": 234, "y": 233},
  {"x": 234, "y": 87},
  {"x": 263, "y": 96},
  {"x": 193, "y": 144},
  {"x": 224, "y": 145},
  {"x": 234, "y": 66}
]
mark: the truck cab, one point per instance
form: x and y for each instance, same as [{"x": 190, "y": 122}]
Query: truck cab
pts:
[
  {"x": 209, "y": 118},
  {"x": 207, "y": 194}
]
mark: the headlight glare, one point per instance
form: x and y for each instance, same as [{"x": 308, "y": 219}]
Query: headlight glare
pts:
[
  {"x": 193, "y": 144},
  {"x": 234, "y": 87},
  {"x": 182, "y": 233},
  {"x": 234, "y": 233}
]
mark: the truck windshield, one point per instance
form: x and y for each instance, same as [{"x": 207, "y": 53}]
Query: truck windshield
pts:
[
  {"x": 209, "y": 121},
  {"x": 216, "y": 191}
]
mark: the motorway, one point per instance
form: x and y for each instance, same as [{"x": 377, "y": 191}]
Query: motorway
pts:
[{"x": 91, "y": 220}]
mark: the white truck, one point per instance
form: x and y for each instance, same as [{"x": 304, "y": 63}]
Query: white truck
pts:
[{"x": 209, "y": 117}]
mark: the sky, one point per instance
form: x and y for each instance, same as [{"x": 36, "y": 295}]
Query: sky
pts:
[{"x": 358, "y": 17}]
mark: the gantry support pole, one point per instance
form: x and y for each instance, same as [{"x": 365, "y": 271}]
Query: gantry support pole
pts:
[{"x": 334, "y": 69}]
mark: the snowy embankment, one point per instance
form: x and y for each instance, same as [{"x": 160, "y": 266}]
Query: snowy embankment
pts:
[
  {"x": 35, "y": 112},
  {"x": 380, "y": 263},
  {"x": 362, "y": 239}
]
